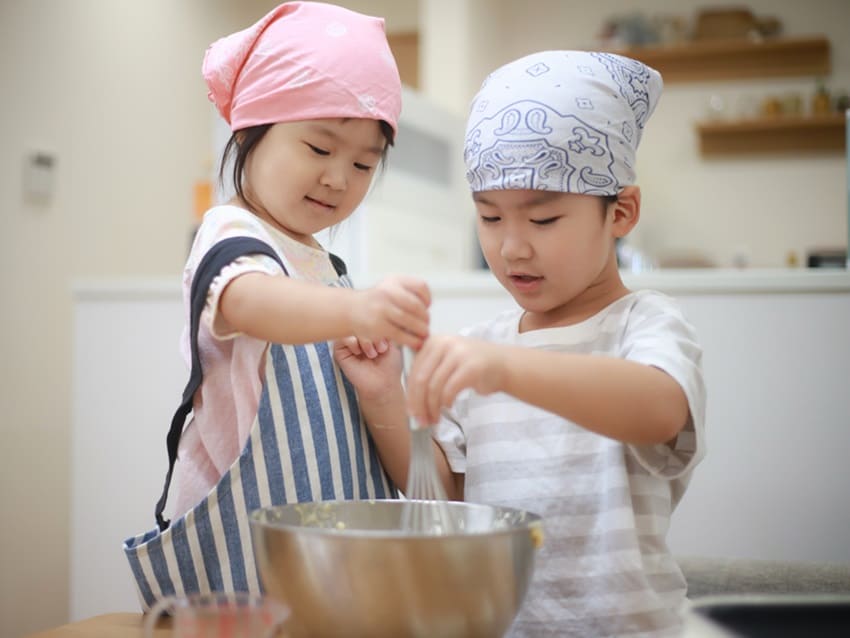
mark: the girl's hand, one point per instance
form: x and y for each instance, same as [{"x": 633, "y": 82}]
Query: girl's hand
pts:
[
  {"x": 374, "y": 369},
  {"x": 396, "y": 310},
  {"x": 446, "y": 365}
]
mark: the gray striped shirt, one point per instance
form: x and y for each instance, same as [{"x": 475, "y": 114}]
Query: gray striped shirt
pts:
[{"x": 604, "y": 569}]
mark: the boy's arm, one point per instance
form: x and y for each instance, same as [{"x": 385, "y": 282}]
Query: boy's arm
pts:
[
  {"x": 617, "y": 398},
  {"x": 620, "y": 399}
]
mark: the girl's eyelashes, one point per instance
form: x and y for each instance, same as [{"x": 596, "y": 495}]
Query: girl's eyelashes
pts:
[
  {"x": 324, "y": 153},
  {"x": 489, "y": 220},
  {"x": 544, "y": 222},
  {"x": 317, "y": 150}
]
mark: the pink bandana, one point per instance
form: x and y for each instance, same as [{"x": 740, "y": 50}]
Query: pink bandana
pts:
[{"x": 304, "y": 61}]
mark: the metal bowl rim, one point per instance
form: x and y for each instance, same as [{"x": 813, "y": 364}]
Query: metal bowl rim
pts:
[{"x": 533, "y": 520}]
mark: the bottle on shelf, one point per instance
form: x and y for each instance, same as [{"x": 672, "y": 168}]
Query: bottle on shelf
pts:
[{"x": 821, "y": 101}]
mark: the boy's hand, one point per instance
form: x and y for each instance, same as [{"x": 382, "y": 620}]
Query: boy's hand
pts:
[
  {"x": 374, "y": 369},
  {"x": 444, "y": 366},
  {"x": 396, "y": 310}
]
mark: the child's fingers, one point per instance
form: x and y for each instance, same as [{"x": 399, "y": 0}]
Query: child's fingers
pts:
[
  {"x": 413, "y": 286},
  {"x": 419, "y": 384},
  {"x": 411, "y": 314},
  {"x": 413, "y": 325},
  {"x": 368, "y": 348},
  {"x": 405, "y": 338},
  {"x": 352, "y": 344},
  {"x": 437, "y": 383},
  {"x": 455, "y": 382},
  {"x": 396, "y": 312},
  {"x": 420, "y": 289}
]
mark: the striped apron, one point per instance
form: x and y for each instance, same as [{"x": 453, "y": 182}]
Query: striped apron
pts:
[{"x": 307, "y": 443}]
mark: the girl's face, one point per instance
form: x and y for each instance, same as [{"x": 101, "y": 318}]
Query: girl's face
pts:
[
  {"x": 553, "y": 252},
  {"x": 303, "y": 177}
]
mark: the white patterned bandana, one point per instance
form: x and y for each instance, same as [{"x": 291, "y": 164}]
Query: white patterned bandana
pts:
[{"x": 567, "y": 121}]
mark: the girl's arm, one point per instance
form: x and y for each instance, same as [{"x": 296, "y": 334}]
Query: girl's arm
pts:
[
  {"x": 377, "y": 378},
  {"x": 390, "y": 429},
  {"x": 285, "y": 310},
  {"x": 620, "y": 399}
]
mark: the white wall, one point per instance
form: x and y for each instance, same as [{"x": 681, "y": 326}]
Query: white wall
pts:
[{"x": 113, "y": 88}]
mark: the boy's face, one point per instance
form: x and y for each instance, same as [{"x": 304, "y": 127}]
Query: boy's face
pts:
[{"x": 553, "y": 252}]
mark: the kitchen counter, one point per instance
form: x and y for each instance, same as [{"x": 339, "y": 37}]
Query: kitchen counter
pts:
[
  {"x": 482, "y": 282},
  {"x": 125, "y": 625}
]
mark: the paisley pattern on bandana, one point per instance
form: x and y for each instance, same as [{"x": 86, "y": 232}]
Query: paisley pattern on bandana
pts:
[
  {"x": 566, "y": 121},
  {"x": 523, "y": 154},
  {"x": 633, "y": 79}
]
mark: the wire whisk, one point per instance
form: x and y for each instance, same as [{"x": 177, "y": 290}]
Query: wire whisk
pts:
[{"x": 425, "y": 511}]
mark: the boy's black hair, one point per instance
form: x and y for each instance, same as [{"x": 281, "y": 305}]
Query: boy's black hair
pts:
[
  {"x": 242, "y": 143},
  {"x": 607, "y": 200}
]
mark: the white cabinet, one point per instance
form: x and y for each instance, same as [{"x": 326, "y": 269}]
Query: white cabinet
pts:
[{"x": 777, "y": 365}]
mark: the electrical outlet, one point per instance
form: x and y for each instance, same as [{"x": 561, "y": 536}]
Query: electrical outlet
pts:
[{"x": 39, "y": 175}]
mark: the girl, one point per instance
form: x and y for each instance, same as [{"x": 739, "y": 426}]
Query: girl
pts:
[{"x": 312, "y": 94}]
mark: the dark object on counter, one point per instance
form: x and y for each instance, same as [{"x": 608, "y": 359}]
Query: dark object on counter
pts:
[
  {"x": 778, "y": 616},
  {"x": 827, "y": 258}
]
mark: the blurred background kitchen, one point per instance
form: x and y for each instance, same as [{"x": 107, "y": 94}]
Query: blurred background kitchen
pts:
[{"x": 108, "y": 150}]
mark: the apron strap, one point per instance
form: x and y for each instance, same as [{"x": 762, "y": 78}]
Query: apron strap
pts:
[{"x": 220, "y": 255}]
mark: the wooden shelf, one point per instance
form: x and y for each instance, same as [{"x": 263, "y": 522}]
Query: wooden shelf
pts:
[
  {"x": 737, "y": 59},
  {"x": 777, "y": 134}
]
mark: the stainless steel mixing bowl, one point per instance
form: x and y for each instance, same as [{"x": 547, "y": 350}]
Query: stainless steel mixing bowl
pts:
[{"x": 345, "y": 568}]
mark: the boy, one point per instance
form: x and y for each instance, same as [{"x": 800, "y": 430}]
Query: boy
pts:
[{"x": 586, "y": 404}]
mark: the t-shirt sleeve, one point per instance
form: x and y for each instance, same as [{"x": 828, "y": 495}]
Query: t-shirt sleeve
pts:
[
  {"x": 219, "y": 327},
  {"x": 220, "y": 224},
  {"x": 659, "y": 335}
]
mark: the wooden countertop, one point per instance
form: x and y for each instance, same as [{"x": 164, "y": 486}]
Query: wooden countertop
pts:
[
  {"x": 126, "y": 625},
  {"x": 123, "y": 625}
]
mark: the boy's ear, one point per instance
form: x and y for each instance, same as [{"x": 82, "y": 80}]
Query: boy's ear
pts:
[{"x": 626, "y": 211}]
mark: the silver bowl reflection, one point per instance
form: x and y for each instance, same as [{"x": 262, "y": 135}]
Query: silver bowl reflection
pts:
[{"x": 346, "y": 568}]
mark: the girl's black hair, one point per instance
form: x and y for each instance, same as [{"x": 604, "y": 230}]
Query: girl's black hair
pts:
[{"x": 242, "y": 143}]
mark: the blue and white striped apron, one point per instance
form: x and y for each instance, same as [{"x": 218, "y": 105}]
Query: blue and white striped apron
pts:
[{"x": 308, "y": 443}]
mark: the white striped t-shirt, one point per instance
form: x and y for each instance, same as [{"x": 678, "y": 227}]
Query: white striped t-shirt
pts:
[{"x": 604, "y": 568}]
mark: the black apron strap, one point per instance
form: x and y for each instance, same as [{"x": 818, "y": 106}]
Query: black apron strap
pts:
[
  {"x": 339, "y": 265},
  {"x": 219, "y": 256}
]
